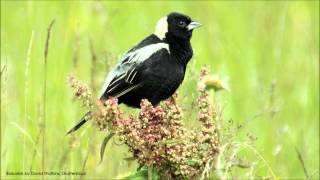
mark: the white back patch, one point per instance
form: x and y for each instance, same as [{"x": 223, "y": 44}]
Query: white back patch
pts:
[
  {"x": 161, "y": 28},
  {"x": 135, "y": 57}
]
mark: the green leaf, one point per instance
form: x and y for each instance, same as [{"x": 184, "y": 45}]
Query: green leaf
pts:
[
  {"x": 142, "y": 174},
  {"x": 191, "y": 162},
  {"x": 129, "y": 159},
  {"x": 104, "y": 144},
  {"x": 141, "y": 167},
  {"x": 155, "y": 175},
  {"x": 139, "y": 175},
  {"x": 171, "y": 142}
]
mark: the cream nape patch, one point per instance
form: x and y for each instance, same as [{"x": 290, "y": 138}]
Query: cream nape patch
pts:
[{"x": 161, "y": 28}]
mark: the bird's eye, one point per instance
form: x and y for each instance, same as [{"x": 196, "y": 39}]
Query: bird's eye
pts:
[{"x": 182, "y": 24}]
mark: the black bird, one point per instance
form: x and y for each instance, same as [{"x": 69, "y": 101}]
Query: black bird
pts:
[{"x": 154, "y": 68}]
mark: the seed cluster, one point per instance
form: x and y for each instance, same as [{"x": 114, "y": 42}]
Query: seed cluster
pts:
[
  {"x": 81, "y": 91},
  {"x": 157, "y": 137},
  {"x": 106, "y": 114}
]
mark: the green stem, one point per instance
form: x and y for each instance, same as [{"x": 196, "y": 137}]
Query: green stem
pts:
[{"x": 150, "y": 169}]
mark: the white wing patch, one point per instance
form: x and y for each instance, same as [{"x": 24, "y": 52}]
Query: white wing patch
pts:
[{"x": 129, "y": 59}]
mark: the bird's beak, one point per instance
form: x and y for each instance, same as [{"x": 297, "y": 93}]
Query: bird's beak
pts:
[{"x": 193, "y": 25}]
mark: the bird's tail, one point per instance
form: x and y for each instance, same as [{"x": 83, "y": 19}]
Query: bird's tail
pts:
[{"x": 80, "y": 123}]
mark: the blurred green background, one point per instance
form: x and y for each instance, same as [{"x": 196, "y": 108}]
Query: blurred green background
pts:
[{"x": 269, "y": 51}]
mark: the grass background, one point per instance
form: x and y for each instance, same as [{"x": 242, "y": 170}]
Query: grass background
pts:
[{"x": 269, "y": 51}]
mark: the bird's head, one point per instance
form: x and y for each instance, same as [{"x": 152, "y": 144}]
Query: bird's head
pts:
[{"x": 176, "y": 25}]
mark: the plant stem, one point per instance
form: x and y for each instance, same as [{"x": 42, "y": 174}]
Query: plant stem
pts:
[
  {"x": 93, "y": 66},
  {"x": 26, "y": 92},
  {"x": 150, "y": 169},
  {"x": 44, "y": 96},
  {"x": 302, "y": 163}
]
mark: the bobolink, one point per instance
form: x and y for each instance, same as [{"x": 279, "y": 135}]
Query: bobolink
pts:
[{"x": 154, "y": 68}]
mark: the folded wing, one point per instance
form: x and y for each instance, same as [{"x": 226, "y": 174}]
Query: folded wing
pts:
[{"x": 123, "y": 78}]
